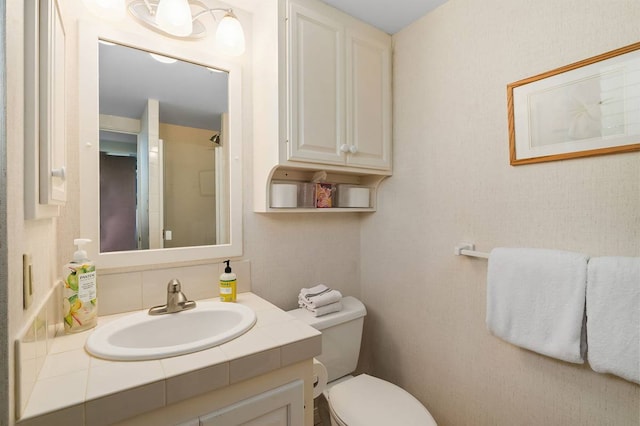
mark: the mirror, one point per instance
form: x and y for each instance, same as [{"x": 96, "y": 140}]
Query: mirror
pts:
[
  {"x": 160, "y": 153},
  {"x": 161, "y": 129}
]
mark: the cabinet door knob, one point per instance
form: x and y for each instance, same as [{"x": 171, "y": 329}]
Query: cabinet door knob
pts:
[
  {"x": 61, "y": 173},
  {"x": 344, "y": 148},
  {"x": 353, "y": 149}
]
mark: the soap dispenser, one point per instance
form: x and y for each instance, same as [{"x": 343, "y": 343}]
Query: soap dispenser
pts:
[
  {"x": 228, "y": 284},
  {"x": 80, "y": 305}
]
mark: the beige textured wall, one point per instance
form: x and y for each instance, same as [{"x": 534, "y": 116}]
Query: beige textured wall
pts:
[
  {"x": 452, "y": 182},
  {"x": 37, "y": 237},
  {"x": 289, "y": 251},
  {"x": 188, "y": 213},
  {"x": 450, "y": 140}
]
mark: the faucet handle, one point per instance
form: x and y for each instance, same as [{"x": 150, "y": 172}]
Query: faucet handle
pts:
[
  {"x": 174, "y": 286},
  {"x": 176, "y": 300}
]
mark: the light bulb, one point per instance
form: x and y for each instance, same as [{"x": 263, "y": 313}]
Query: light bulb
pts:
[
  {"x": 174, "y": 17},
  {"x": 229, "y": 36}
]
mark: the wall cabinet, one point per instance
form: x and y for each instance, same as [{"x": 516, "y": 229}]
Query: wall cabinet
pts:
[
  {"x": 332, "y": 82},
  {"x": 339, "y": 87},
  {"x": 45, "y": 152}
]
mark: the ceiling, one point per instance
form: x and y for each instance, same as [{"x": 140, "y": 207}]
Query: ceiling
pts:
[
  {"x": 389, "y": 15},
  {"x": 189, "y": 95}
]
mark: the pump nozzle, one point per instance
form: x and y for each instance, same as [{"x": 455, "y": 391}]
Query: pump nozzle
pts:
[
  {"x": 227, "y": 269},
  {"x": 80, "y": 255},
  {"x": 81, "y": 241}
]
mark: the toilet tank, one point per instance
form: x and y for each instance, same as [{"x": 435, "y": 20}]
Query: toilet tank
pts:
[{"x": 341, "y": 336}]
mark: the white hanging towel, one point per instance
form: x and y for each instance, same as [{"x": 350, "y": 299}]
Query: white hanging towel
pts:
[
  {"x": 613, "y": 316},
  {"x": 536, "y": 298}
]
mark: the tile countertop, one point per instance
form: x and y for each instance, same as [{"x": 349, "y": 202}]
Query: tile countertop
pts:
[{"x": 73, "y": 384}]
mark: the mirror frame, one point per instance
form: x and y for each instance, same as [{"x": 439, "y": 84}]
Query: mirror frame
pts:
[{"x": 88, "y": 128}]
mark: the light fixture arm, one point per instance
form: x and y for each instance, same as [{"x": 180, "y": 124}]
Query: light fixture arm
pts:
[
  {"x": 229, "y": 34},
  {"x": 152, "y": 6},
  {"x": 216, "y": 9},
  {"x": 152, "y": 10}
]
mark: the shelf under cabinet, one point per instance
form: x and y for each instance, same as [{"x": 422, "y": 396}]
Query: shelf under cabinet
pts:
[
  {"x": 295, "y": 175},
  {"x": 321, "y": 210}
]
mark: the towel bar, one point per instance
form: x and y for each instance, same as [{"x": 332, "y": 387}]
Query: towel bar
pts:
[{"x": 469, "y": 249}]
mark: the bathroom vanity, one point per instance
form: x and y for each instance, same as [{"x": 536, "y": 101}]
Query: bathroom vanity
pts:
[{"x": 264, "y": 375}]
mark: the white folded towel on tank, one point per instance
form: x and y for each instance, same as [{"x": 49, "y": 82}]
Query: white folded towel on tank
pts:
[
  {"x": 613, "y": 316},
  {"x": 315, "y": 290},
  {"x": 536, "y": 300},
  {"x": 326, "y": 309},
  {"x": 317, "y": 296}
]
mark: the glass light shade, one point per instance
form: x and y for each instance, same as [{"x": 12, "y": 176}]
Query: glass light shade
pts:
[
  {"x": 174, "y": 17},
  {"x": 229, "y": 36}
]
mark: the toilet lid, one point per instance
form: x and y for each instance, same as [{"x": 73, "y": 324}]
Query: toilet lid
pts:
[{"x": 367, "y": 401}]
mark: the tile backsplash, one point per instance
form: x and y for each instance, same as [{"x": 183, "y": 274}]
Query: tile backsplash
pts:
[
  {"x": 117, "y": 293},
  {"x": 33, "y": 345},
  {"x": 132, "y": 291}
]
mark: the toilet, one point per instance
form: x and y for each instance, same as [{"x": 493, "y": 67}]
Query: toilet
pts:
[{"x": 362, "y": 400}]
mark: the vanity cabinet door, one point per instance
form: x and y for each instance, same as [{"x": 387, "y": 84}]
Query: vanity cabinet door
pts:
[
  {"x": 282, "y": 406},
  {"x": 193, "y": 422},
  {"x": 316, "y": 83}
]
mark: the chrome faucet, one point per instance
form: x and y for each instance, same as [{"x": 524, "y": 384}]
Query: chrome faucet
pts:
[{"x": 176, "y": 300}]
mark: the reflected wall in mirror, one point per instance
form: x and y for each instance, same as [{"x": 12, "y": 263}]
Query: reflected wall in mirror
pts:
[{"x": 163, "y": 152}]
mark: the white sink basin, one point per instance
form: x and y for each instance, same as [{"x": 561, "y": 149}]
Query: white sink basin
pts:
[{"x": 141, "y": 336}]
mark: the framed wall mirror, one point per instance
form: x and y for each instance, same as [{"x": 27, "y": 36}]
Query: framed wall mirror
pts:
[
  {"x": 160, "y": 151},
  {"x": 163, "y": 137}
]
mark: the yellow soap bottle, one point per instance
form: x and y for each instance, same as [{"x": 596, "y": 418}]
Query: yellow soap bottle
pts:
[{"x": 227, "y": 284}]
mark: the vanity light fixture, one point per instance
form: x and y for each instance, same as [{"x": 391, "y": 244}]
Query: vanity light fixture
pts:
[{"x": 174, "y": 18}]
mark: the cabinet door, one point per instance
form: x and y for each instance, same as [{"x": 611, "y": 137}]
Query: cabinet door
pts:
[
  {"x": 45, "y": 103},
  {"x": 368, "y": 99},
  {"x": 282, "y": 406},
  {"x": 53, "y": 142},
  {"x": 316, "y": 83}
]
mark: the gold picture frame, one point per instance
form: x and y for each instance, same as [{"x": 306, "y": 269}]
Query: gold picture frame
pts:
[{"x": 591, "y": 107}]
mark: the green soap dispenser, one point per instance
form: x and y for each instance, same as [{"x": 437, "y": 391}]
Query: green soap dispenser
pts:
[
  {"x": 79, "y": 295},
  {"x": 228, "y": 284}
]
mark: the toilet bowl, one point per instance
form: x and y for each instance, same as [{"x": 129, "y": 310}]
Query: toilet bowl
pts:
[
  {"x": 362, "y": 400},
  {"x": 367, "y": 400}
]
